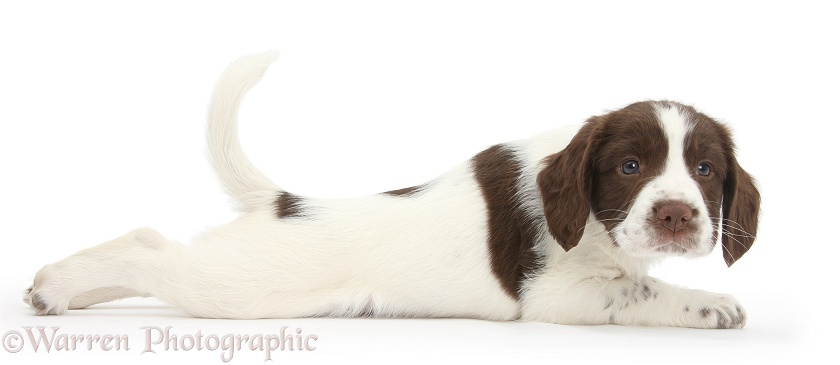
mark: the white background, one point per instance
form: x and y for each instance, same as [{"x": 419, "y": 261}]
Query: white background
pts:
[{"x": 102, "y": 109}]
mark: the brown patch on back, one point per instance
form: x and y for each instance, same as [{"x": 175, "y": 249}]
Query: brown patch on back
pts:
[
  {"x": 288, "y": 206},
  {"x": 405, "y": 192},
  {"x": 512, "y": 233}
]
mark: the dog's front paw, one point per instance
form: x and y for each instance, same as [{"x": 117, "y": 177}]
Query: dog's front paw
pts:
[
  {"x": 39, "y": 301},
  {"x": 46, "y": 295},
  {"x": 717, "y": 311}
]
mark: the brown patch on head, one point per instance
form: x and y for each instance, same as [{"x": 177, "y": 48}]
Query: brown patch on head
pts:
[
  {"x": 586, "y": 175},
  {"x": 288, "y": 206},
  {"x": 405, "y": 192},
  {"x": 512, "y": 232},
  {"x": 707, "y": 143},
  {"x": 741, "y": 202},
  {"x": 632, "y": 133},
  {"x": 729, "y": 191},
  {"x": 564, "y": 186}
]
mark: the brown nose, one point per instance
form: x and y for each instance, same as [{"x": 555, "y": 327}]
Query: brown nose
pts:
[{"x": 674, "y": 216}]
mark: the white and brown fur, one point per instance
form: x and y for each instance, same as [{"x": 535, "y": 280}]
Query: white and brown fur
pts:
[{"x": 559, "y": 228}]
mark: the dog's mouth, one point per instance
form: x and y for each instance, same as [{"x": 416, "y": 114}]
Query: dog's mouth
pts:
[
  {"x": 652, "y": 241},
  {"x": 649, "y": 237},
  {"x": 672, "y": 248},
  {"x": 681, "y": 244},
  {"x": 685, "y": 239}
]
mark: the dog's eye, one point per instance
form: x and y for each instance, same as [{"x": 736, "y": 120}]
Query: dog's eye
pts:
[
  {"x": 630, "y": 167},
  {"x": 704, "y": 169}
]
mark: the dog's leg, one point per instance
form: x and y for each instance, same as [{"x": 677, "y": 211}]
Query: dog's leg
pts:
[
  {"x": 136, "y": 264},
  {"x": 650, "y": 302},
  {"x": 102, "y": 295},
  {"x": 645, "y": 301}
]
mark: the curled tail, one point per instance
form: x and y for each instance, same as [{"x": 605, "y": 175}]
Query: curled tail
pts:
[{"x": 241, "y": 180}]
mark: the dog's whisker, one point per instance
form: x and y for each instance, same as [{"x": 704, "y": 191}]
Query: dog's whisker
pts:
[
  {"x": 735, "y": 239},
  {"x": 737, "y": 231},
  {"x": 727, "y": 250},
  {"x": 728, "y": 222},
  {"x": 731, "y": 222},
  {"x": 731, "y": 234},
  {"x": 599, "y": 221},
  {"x": 611, "y": 210},
  {"x": 730, "y": 227}
]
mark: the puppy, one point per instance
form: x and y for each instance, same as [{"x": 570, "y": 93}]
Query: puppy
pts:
[{"x": 558, "y": 228}]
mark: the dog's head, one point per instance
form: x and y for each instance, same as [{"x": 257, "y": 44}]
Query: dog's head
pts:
[{"x": 660, "y": 176}]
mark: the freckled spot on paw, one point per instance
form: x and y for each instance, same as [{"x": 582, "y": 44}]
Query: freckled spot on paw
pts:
[
  {"x": 705, "y": 312},
  {"x": 368, "y": 309},
  {"x": 39, "y": 302},
  {"x": 610, "y": 302},
  {"x": 612, "y": 319},
  {"x": 722, "y": 322},
  {"x": 687, "y": 308},
  {"x": 646, "y": 293},
  {"x": 624, "y": 292}
]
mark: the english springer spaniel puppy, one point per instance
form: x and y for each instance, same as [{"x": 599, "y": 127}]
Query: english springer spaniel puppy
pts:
[{"x": 561, "y": 228}]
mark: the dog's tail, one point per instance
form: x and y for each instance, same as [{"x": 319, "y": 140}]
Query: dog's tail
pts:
[{"x": 249, "y": 188}]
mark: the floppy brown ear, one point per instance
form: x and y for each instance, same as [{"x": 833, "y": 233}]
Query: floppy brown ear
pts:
[
  {"x": 564, "y": 184},
  {"x": 741, "y": 202}
]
